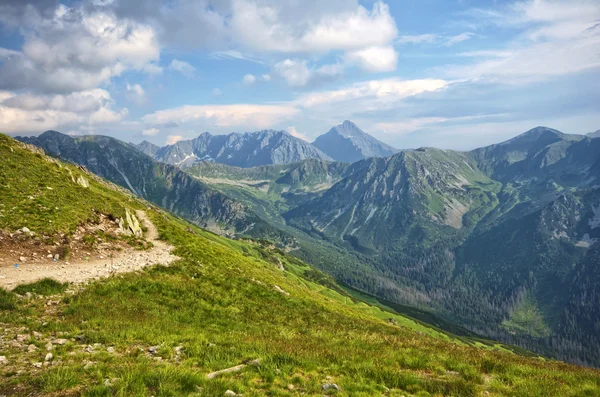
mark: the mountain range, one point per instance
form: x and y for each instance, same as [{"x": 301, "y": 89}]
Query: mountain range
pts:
[
  {"x": 345, "y": 142},
  {"x": 181, "y": 311},
  {"x": 502, "y": 239}
]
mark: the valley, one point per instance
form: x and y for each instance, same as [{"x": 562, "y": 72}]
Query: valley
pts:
[
  {"x": 225, "y": 317},
  {"x": 492, "y": 239}
]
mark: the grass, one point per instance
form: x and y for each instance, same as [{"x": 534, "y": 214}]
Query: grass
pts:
[
  {"x": 219, "y": 302},
  {"x": 44, "y": 287},
  {"x": 226, "y": 302},
  {"x": 7, "y": 300},
  {"x": 39, "y": 193}
]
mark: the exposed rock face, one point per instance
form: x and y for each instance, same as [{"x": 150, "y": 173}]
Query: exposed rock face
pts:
[
  {"x": 82, "y": 181},
  {"x": 133, "y": 223},
  {"x": 248, "y": 149},
  {"x": 348, "y": 143}
]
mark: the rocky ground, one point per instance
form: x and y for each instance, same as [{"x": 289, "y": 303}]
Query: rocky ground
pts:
[{"x": 85, "y": 263}]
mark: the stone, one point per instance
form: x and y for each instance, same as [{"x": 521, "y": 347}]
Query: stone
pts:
[
  {"x": 133, "y": 223},
  {"x": 37, "y": 335},
  {"x": 49, "y": 346},
  {"x": 178, "y": 350},
  {"x": 230, "y": 393},
  {"x": 48, "y": 357},
  {"x": 153, "y": 349},
  {"x": 83, "y": 182},
  {"x": 330, "y": 386},
  {"x": 25, "y": 230},
  {"x": 290, "y": 387},
  {"x": 37, "y": 365},
  {"x": 22, "y": 259},
  {"x": 110, "y": 349},
  {"x": 88, "y": 365},
  {"x": 280, "y": 290},
  {"x": 60, "y": 341},
  {"x": 3, "y": 360},
  {"x": 49, "y": 256},
  {"x": 22, "y": 338},
  {"x": 31, "y": 348},
  {"x": 56, "y": 256}
]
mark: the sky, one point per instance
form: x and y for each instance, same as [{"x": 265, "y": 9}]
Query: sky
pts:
[{"x": 454, "y": 74}]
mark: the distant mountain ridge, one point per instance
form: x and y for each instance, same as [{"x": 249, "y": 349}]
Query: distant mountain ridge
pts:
[
  {"x": 348, "y": 143},
  {"x": 244, "y": 150},
  {"x": 594, "y": 134}
]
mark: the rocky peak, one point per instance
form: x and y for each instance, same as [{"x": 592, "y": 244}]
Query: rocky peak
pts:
[{"x": 346, "y": 142}]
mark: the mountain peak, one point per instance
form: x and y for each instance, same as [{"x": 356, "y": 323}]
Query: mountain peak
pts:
[{"x": 348, "y": 143}]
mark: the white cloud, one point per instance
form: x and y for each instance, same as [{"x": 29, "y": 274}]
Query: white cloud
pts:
[
  {"x": 136, "y": 89},
  {"x": 416, "y": 123},
  {"x": 173, "y": 139},
  {"x": 379, "y": 91},
  {"x": 28, "y": 113},
  {"x": 249, "y": 79},
  {"x": 295, "y": 133},
  {"x": 459, "y": 38},
  {"x": 136, "y": 93},
  {"x": 183, "y": 67},
  {"x": 150, "y": 131},
  {"x": 417, "y": 39},
  {"x": 217, "y": 92},
  {"x": 297, "y": 73},
  {"x": 220, "y": 116},
  {"x": 152, "y": 69},
  {"x": 431, "y": 38},
  {"x": 266, "y": 77},
  {"x": 78, "y": 49},
  {"x": 559, "y": 37},
  {"x": 374, "y": 59},
  {"x": 272, "y": 26}
]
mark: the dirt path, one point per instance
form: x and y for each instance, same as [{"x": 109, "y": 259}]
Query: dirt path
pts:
[{"x": 79, "y": 271}]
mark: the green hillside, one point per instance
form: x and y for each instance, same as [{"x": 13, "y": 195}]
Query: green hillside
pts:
[{"x": 160, "y": 331}]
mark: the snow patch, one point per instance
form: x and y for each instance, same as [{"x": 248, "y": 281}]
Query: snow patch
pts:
[
  {"x": 586, "y": 241},
  {"x": 594, "y": 222}
]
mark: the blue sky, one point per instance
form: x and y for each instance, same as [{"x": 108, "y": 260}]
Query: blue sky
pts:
[{"x": 450, "y": 74}]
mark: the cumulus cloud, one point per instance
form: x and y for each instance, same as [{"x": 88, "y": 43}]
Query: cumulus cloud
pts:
[
  {"x": 217, "y": 92},
  {"x": 183, "y": 67},
  {"x": 297, "y": 73},
  {"x": 275, "y": 26},
  {"x": 29, "y": 113},
  {"x": 75, "y": 49},
  {"x": 375, "y": 59}
]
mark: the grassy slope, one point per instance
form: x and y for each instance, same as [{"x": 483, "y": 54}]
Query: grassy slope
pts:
[
  {"x": 220, "y": 303},
  {"x": 37, "y": 192}
]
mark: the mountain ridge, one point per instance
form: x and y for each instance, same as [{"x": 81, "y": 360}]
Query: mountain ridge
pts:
[{"x": 237, "y": 149}]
